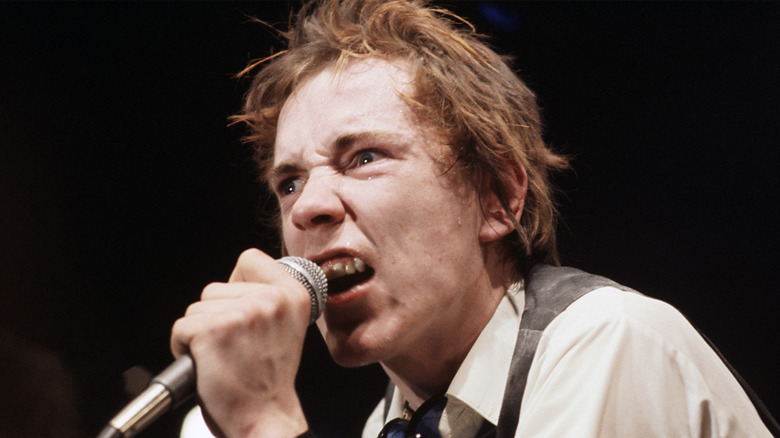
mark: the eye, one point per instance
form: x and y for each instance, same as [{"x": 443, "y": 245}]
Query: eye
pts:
[
  {"x": 367, "y": 156},
  {"x": 290, "y": 186}
]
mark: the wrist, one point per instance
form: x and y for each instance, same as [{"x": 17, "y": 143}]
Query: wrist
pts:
[
  {"x": 278, "y": 424},
  {"x": 264, "y": 425}
]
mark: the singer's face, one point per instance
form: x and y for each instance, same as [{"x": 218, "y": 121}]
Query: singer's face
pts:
[{"x": 359, "y": 177}]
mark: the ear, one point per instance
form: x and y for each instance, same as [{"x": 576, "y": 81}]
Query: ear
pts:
[{"x": 499, "y": 216}]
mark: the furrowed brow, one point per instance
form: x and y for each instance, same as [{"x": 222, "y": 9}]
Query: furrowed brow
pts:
[
  {"x": 341, "y": 144},
  {"x": 280, "y": 171}
]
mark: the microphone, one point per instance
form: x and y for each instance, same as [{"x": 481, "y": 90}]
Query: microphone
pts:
[{"x": 176, "y": 384}]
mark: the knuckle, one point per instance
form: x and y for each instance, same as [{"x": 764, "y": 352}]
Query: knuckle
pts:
[
  {"x": 211, "y": 290},
  {"x": 263, "y": 309},
  {"x": 250, "y": 255},
  {"x": 258, "y": 310},
  {"x": 179, "y": 337},
  {"x": 176, "y": 328}
]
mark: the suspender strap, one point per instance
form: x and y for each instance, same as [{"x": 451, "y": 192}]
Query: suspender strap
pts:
[{"x": 548, "y": 291}]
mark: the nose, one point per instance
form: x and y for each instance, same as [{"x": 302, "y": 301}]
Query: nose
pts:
[{"x": 318, "y": 203}]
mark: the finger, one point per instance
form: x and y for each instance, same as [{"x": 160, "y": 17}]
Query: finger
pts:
[
  {"x": 239, "y": 306},
  {"x": 258, "y": 267},
  {"x": 273, "y": 295},
  {"x": 221, "y": 291},
  {"x": 253, "y": 265},
  {"x": 209, "y": 322},
  {"x": 204, "y": 319},
  {"x": 182, "y": 333},
  {"x": 214, "y": 307}
]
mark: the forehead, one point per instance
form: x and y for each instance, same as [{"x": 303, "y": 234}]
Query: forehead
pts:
[{"x": 363, "y": 96}]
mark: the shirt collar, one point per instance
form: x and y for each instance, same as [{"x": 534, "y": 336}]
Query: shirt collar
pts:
[{"x": 477, "y": 390}]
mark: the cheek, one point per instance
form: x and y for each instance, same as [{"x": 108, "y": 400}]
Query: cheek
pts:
[
  {"x": 322, "y": 326},
  {"x": 442, "y": 214},
  {"x": 427, "y": 235},
  {"x": 291, "y": 238}
]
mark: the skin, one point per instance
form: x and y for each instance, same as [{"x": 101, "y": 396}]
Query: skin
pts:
[
  {"x": 357, "y": 175},
  {"x": 246, "y": 337}
]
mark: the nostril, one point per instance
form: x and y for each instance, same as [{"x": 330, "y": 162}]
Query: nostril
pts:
[{"x": 321, "y": 219}]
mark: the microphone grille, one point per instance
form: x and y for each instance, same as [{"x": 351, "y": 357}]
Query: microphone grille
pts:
[{"x": 312, "y": 277}]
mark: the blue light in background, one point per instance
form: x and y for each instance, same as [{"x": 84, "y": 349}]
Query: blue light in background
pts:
[{"x": 500, "y": 17}]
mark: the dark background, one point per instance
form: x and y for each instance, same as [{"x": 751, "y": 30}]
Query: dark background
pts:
[{"x": 123, "y": 192}]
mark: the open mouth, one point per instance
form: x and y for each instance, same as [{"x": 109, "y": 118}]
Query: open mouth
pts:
[{"x": 343, "y": 274}]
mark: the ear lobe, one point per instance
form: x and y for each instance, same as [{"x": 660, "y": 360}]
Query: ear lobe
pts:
[{"x": 502, "y": 204}]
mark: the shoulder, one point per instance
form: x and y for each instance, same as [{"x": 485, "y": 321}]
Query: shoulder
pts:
[
  {"x": 609, "y": 306},
  {"x": 608, "y": 317},
  {"x": 618, "y": 362}
]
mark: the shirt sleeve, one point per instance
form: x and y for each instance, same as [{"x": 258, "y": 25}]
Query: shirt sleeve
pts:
[{"x": 618, "y": 364}]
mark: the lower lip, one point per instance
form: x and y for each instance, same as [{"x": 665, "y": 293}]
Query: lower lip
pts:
[{"x": 350, "y": 295}]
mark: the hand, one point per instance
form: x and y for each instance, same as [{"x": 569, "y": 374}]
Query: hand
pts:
[{"x": 246, "y": 337}]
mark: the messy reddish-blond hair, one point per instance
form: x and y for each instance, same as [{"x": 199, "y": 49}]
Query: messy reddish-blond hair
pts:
[{"x": 465, "y": 89}]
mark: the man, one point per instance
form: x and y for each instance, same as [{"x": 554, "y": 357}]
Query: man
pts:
[{"x": 408, "y": 162}]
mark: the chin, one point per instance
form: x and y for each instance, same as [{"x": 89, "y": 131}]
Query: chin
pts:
[
  {"x": 350, "y": 361},
  {"x": 348, "y": 352}
]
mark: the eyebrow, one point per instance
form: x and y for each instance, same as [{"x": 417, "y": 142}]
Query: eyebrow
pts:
[
  {"x": 346, "y": 141},
  {"x": 341, "y": 144},
  {"x": 280, "y": 171}
]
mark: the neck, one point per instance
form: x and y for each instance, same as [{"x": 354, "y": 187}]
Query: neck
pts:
[{"x": 429, "y": 369}]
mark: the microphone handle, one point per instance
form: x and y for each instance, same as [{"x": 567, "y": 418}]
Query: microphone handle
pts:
[{"x": 169, "y": 389}]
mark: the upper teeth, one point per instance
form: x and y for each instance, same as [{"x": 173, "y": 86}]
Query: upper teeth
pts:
[{"x": 340, "y": 269}]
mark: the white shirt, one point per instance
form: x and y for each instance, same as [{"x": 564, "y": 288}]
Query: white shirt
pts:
[{"x": 613, "y": 364}]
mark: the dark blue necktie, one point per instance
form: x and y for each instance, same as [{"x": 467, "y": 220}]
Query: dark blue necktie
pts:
[{"x": 423, "y": 424}]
